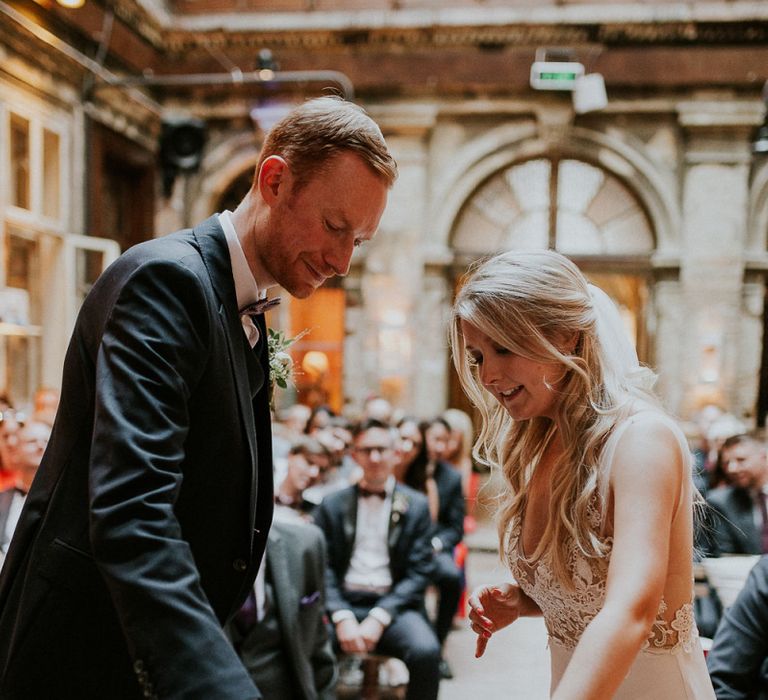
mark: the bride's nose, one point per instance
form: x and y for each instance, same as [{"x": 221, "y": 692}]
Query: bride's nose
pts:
[{"x": 489, "y": 374}]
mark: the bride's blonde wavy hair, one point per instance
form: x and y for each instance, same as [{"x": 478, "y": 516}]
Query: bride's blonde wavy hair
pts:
[{"x": 528, "y": 302}]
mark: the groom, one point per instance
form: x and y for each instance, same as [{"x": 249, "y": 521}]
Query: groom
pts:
[{"x": 145, "y": 527}]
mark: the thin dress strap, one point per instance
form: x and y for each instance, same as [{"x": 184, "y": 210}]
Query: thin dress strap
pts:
[{"x": 609, "y": 451}]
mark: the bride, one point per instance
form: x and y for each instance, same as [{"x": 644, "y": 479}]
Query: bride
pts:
[{"x": 596, "y": 518}]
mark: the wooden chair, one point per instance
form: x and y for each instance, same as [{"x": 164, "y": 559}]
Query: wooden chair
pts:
[{"x": 369, "y": 688}]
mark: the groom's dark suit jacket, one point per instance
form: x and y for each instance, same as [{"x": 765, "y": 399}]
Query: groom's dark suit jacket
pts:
[{"x": 144, "y": 528}]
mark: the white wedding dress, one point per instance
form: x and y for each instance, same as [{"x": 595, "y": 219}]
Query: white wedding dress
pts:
[{"x": 670, "y": 665}]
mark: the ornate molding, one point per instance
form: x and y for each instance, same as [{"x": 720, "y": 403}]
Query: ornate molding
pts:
[
  {"x": 488, "y": 28},
  {"x": 676, "y": 34}
]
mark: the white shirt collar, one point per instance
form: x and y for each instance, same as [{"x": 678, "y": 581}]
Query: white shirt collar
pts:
[{"x": 248, "y": 288}]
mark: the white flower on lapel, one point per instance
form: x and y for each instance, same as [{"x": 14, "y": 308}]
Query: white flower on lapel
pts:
[
  {"x": 280, "y": 362},
  {"x": 399, "y": 506}
]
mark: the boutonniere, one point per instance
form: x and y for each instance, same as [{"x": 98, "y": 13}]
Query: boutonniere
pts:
[
  {"x": 399, "y": 506},
  {"x": 280, "y": 361}
]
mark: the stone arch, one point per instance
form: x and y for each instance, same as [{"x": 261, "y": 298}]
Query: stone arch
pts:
[
  {"x": 502, "y": 147},
  {"x": 220, "y": 167}
]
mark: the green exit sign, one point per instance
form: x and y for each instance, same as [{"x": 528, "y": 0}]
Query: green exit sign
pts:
[
  {"x": 555, "y": 75},
  {"x": 570, "y": 77}
]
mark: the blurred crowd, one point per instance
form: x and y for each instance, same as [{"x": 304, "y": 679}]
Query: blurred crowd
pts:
[
  {"x": 23, "y": 439},
  {"x": 393, "y": 583},
  {"x": 731, "y": 473},
  {"x": 366, "y": 563}
]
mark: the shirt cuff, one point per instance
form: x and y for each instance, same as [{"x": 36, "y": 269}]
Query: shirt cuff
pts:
[
  {"x": 437, "y": 544},
  {"x": 381, "y": 615},
  {"x": 341, "y": 615}
]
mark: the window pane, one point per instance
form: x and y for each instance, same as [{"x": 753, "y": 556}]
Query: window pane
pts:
[
  {"x": 530, "y": 183},
  {"x": 22, "y": 274},
  {"x": 598, "y": 214},
  {"x": 577, "y": 185},
  {"x": 51, "y": 175},
  {"x": 21, "y": 367},
  {"x": 19, "y": 147}
]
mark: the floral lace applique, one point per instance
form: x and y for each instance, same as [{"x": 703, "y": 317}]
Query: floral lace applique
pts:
[{"x": 568, "y": 612}]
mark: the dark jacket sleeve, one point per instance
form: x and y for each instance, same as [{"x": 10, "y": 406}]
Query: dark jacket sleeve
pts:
[
  {"x": 450, "y": 525},
  {"x": 732, "y": 530},
  {"x": 153, "y": 349},
  {"x": 740, "y": 647},
  {"x": 324, "y": 518}
]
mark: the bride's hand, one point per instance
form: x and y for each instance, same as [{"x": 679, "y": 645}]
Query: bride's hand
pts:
[{"x": 492, "y": 608}]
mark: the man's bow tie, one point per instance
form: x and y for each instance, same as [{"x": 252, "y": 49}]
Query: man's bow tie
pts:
[
  {"x": 364, "y": 492},
  {"x": 259, "y": 307}
]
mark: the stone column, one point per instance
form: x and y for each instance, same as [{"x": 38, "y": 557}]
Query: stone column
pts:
[
  {"x": 719, "y": 349},
  {"x": 383, "y": 350}
]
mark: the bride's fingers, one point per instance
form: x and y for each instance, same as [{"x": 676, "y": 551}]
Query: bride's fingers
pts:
[
  {"x": 481, "y": 619},
  {"x": 482, "y": 642}
]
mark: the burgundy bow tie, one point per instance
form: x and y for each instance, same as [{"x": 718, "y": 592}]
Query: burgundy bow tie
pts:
[
  {"x": 259, "y": 307},
  {"x": 364, "y": 492}
]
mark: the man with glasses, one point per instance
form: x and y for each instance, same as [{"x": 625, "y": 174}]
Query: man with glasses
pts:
[{"x": 379, "y": 563}]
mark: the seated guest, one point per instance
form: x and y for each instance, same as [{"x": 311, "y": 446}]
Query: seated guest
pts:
[
  {"x": 24, "y": 456},
  {"x": 459, "y": 450},
  {"x": 336, "y": 477},
  {"x": 46, "y": 403},
  {"x": 738, "y": 516},
  {"x": 446, "y": 502},
  {"x": 308, "y": 459},
  {"x": 9, "y": 425},
  {"x": 320, "y": 417},
  {"x": 280, "y": 633},
  {"x": 738, "y": 660},
  {"x": 379, "y": 563},
  {"x": 377, "y": 408}
]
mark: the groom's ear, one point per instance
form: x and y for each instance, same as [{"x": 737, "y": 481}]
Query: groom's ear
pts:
[{"x": 272, "y": 178}]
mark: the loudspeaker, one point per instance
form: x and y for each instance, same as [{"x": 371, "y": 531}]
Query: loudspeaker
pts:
[{"x": 181, "y": 148}]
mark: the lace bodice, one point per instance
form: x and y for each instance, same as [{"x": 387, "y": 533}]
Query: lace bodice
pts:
[{"x": 568, "y": 612}]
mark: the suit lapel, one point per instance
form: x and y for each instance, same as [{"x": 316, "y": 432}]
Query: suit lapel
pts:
[
  {"x": 215, "y": 253},
  {"x": 395, "y": 519},
  {"x": 746, "y": 524},
  {"x": 349, "y": 519},
  {"x": 286, "y": 596}
]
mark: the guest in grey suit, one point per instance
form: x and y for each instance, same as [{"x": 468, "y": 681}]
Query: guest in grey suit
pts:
[
  {"x": 285, "y": 646},
  {"x": 738, "y": 518},
  {"x": 144, "y": 529}
]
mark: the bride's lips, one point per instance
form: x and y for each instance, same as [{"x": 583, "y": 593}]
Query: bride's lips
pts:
[{"x": 510, "y": 395}]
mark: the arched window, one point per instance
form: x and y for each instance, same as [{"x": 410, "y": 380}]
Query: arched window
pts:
[{"x": 569, "y": 205}]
